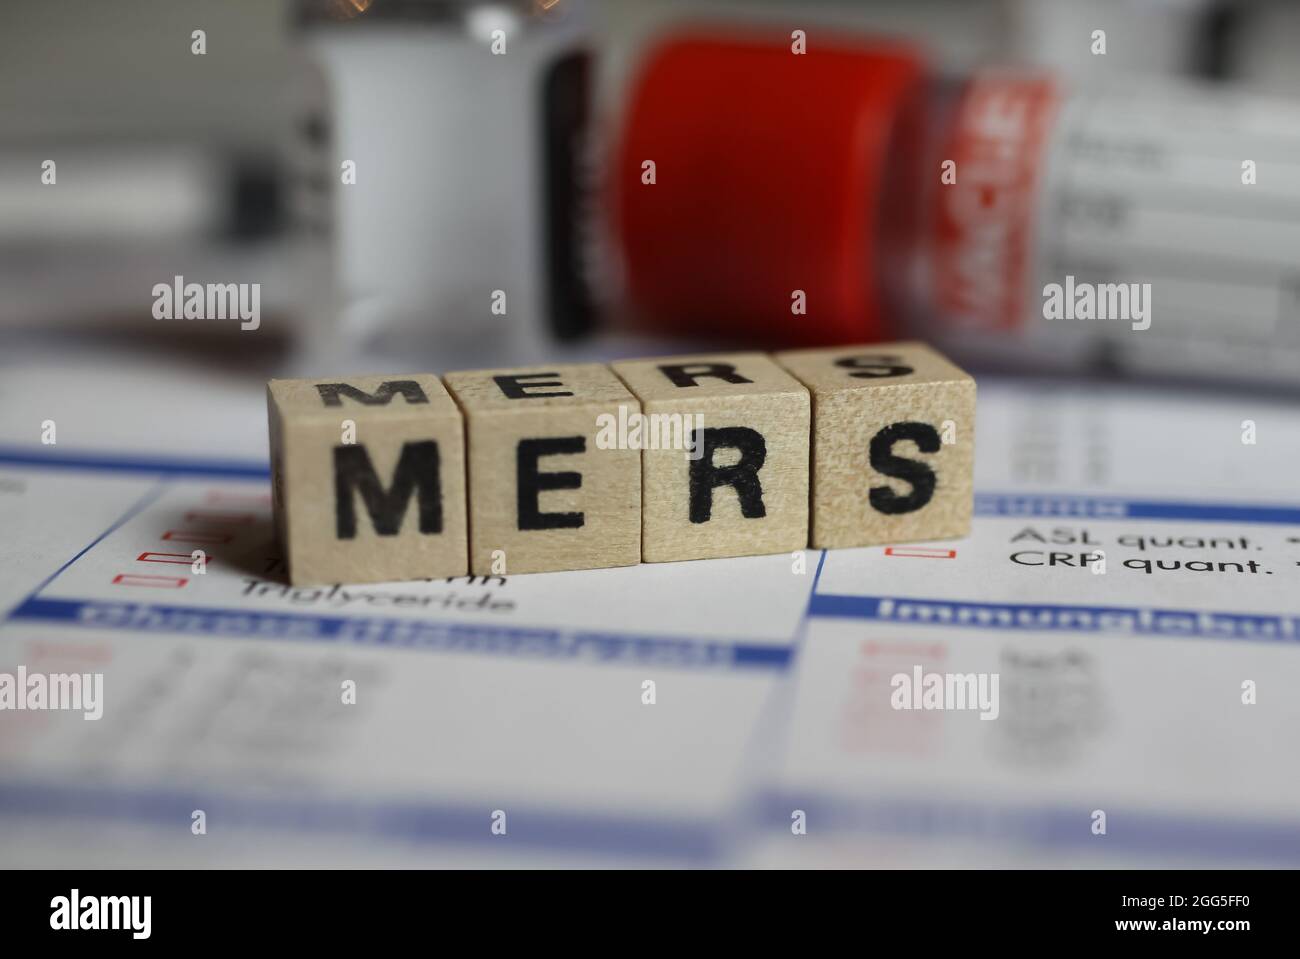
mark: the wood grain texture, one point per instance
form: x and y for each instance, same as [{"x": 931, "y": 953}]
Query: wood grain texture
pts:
[
  {"x": 388, "y": 506},
  {"x": 544, "y": 495},
  {"x": 747, "y": 492},
  {"x": 882, "y": 471}
]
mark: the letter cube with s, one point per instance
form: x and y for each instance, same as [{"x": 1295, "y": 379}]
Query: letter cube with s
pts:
[
  {"x": 368, "y": 478},
  {"x": 893, "y": 443}
]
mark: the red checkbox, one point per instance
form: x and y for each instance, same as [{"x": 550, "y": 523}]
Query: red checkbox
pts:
[
  {"x": 158, "y": 582},
  {"x": 920, "y": 552},
  {"x": 179, "y": 559}
]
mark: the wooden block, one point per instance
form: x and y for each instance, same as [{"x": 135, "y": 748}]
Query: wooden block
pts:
[
  {"x": 368, "y": 478},
  {"x": 544, "y": 494},
  {"x": 742, "y": 490},
  {"x": 893, "y": 443}
]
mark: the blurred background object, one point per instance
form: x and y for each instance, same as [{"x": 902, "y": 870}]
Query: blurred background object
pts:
[
  {"x": 129, "y": 157},
  {"x": 454, "y": 182},
  {"x": 858, "y": 193},
  {"x": 460, "y": 120}
]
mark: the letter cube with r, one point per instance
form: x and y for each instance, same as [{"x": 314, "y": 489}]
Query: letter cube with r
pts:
[{"x": 744, "y": 489}]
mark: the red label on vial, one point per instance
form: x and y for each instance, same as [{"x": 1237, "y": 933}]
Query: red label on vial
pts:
[{"x": 987, "y": 200}]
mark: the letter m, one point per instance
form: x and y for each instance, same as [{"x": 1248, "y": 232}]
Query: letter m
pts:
[
  {"x": 1116, "y": 295},
  {"x": 416, "y": 472},
  {"x": 117, "y": 912},
  {"x": 332, "y": 393},
  {"x": 962, "y": 690}
]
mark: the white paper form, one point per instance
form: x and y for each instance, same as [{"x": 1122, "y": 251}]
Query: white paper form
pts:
[
  {"x": 525, "y": 697},
  {"x": 1128, "y": 621},
  {"x": 473, "y": 695}
]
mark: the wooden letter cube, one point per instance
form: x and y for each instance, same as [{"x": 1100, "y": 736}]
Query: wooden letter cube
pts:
[
  {"x": 544, "y": 493},
  {"x": 368, "y": 478},
  {"x": 738, "y": 486},
  {"x": 893, "y": 443}
]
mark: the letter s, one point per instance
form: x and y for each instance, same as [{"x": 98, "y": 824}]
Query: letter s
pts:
[{"x": 921, "y": 477}]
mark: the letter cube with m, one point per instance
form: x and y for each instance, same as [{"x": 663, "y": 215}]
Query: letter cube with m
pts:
[{"x": 368, "y": 478}]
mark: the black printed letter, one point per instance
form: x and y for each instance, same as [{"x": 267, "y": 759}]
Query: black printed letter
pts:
[
  {"x": 333, "y": 393},
  {"x": 869, "y": 366},
  {"x": 742, "y": 476},
  {"x": 530, "y": 482},
  {"x": 416, "y": 470},
  {"x": 883, "y": 460},
  {"x": 516, "y": 390},
  {"x": 686, "y": 374}
]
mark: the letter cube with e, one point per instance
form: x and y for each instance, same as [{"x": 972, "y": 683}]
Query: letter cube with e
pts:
[
  {"x": 545, "y": 495},
  {"x": 740, "y": 487},
  {"x": 368, "y": 478},
  {"x": 893, "y": 443}
]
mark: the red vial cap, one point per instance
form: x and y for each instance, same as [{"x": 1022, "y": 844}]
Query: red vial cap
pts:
[{"x": 769, "y": 177}]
